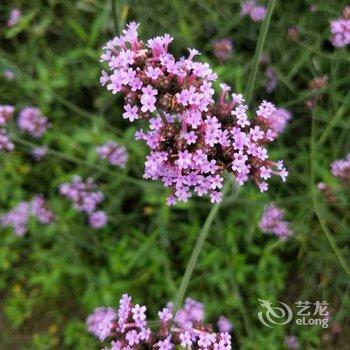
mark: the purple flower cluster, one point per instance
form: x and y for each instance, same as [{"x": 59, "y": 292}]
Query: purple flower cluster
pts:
[
  {"x": 280, "y": 120},
  {"x": 19, "y": 216},
  {"x": 85, "y": 198},
  {"x": 224, "y": 324},
  {"x": 6, "y": 145},
  {"x": 273, "y": 222},
  {"x": 192, "y": 312},
  {"x": 15, "y": 16},
  {"x": 6, "y": 113},
  {"x": 222, "y": 49},
  {"x": 101, "y": 320},
  {"x": 271, "y": 80},
  {"x": 340, "y": 29},
  {"x": 114, "y": 153},
  {"x": 32, "y": 121},
  {"x": 341, "y": 169},
  {"x": 193, "y": 139},
  {"x": 9, "y": 75},
  {"x": 128, "y": 328},
  {"x": 39, "y": 152},
  {"x": 291, "y": 342},
  {"x": 253, "y": 10}
]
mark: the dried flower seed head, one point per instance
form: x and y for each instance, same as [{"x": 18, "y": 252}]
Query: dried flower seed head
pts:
[{"x": 222, "y": 49}]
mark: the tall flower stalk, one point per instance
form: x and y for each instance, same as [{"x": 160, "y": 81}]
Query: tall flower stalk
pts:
[{"x": 215, "y": 208}]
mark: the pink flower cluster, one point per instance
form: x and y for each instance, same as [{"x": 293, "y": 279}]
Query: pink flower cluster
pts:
[
  {"x": 281, "y": 118},
  {"x": 271, "y": 80},
  {"x": 9, "y": 75},
  {"x": 39, "y": 152},
  {"x": 340, "y": 29},
  {"x": 114, "y": 153},
  {"x": 6, "y": 113},
  {"x": 291, "y": 342},
  {"x": 85, "y": 198},
  {"x": 222, "y": 49},
  {"x": 19, "y": 216},
  {"x": 224, "y": 324},
  {"x": 101, "y": 320},
  {"x": 32, "y": 121},
  {"x": 128, "y": 328},
  {"x": 341, "y": 169},
  {"x": 193, "y": 139},
  {"x": 15, "y": 16},
  {"x": 256, "y": 12},
  {"x": 273, "y": 222}
]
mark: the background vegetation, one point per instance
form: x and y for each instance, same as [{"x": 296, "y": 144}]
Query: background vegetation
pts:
[{"x": 54, "y": 276}]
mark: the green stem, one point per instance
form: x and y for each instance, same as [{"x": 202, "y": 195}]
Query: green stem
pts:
[
  {"x": 60, "y": 99},
  {"x": 197, "y": 249},
  {"x": 319, "y": 215},
  {"x": 81, "y": 162},
  {"x": 215, "y": 208},
  {"x": 114, "y": 16},
  {"x": 259, "y": 50}
]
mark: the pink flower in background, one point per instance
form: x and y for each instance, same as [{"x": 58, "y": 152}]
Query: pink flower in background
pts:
[
  {"x": 291, "y": 342},
  {"x": 9, "y": 75},
  {"x": 100, "y": 322},
  {"x": 18, "y": 217},
  {"x": 32, "y": 121},
  {"x": 256, "y": 12},
  {"x": 340, "y": 29},
  {"x": 114, "y": 153},
  {"x": 39, "y": 152},
  {"x": 193, "y": 138},
  {"x": 273, "y": 222},
  {"x": 222, "y": 49},
  {"x": 6, "y": 113},
  {"x": 224, "y": 324},
  {"x": 128, "y": 327},
  {"x": 85, "y": 198},
  {"x": 341, "y": 169},
  {"x": 15, "y": 16},
  {"x": 280, "y": 120},
  {"x": 271, "y": 80},
  {"x": 6, "y": 145},
  {"x": 313, "y": 8},
  {"x": 98, "y": 219},
  {"x": 39, "y": 209}
]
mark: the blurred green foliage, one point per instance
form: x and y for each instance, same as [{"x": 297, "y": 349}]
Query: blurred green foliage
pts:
[{"x": 54, "y": 276}]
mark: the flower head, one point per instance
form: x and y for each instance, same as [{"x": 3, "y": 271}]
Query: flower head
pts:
[
  {"x": 32, "y": 121},
  {"x": 273, "y": 222},
  {"x": 193, "y": 138}
]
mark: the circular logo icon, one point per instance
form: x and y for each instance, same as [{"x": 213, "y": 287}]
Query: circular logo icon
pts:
[{"x": 274, "y": 315}]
